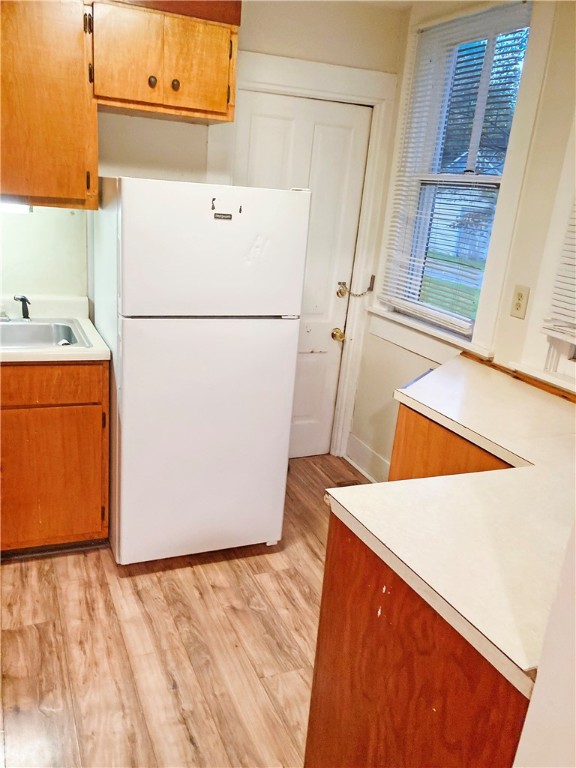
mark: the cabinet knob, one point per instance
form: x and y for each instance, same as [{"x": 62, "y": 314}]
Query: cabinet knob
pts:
[
  {"x": 152, "y": 81},
  {"x": 175, "y": 85}
]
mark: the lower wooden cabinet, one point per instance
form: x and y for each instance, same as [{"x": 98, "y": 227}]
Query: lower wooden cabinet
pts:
[
  {"x": 395, "y": 684},
  {"x": 54, "y": 454},
  {"x": 423, "y": 448}
]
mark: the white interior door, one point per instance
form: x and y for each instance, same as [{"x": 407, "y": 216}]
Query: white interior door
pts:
[{"x": 284, "y": 142}]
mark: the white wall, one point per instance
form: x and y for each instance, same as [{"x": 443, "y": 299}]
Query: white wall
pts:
[
  {"x": 43, "y": 252},
  {"x": 367, "y": 35},
  {"x": 151, "y": 148},
  {"x": 384, "y": 368},
  {"x": 548, "y": 735},
  {"x": 387, "y": 364}
]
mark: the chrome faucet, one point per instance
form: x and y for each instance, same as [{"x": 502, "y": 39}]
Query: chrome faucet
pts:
[{"x": 24, "y": 301}]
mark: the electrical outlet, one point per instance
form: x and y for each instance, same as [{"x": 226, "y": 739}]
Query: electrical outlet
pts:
[{"x": 520, "y": 301}]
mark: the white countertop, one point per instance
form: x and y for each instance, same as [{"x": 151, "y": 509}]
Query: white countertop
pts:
[
  {"x": 484, "y": 549},
  {"x": 60, "y": 308}
]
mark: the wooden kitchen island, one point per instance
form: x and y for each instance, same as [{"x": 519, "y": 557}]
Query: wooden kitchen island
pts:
[{"x": 437, "y": 590}]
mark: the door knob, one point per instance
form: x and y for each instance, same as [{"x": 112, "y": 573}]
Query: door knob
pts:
[
  {"x": 342, "y": 290},
  {"x": 175, "y": 85},
  {"x": 152, "y": 81},
  {"x": 338, "y": 334}
]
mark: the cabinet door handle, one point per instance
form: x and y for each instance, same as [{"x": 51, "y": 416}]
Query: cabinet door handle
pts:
[
  {"x": 175, "y": 85},
  {"x": 152, "y": 81}
]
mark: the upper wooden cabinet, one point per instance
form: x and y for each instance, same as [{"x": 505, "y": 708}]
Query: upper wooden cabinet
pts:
[
  {"x": 226, "y": 11},
  {"x": 49, "y": 121},
  {"x": 147, "y": 60}
]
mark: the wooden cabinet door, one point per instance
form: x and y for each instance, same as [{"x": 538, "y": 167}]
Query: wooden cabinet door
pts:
[
  {"x": 52, "y": 475},
  {"x": 128, "y": 45},
  {"x": 49, "y": 122},
  {"x": 196, "y": 64},
  {"x": 423, "y": 448}
]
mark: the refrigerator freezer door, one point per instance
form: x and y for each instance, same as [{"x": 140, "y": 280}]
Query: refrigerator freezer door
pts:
[
  {"x": 208, "y": 250},
  {"x": 204, "y": 420}
]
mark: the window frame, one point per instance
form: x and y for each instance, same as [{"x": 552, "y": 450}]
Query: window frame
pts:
[{"x": 482, "y": 341}]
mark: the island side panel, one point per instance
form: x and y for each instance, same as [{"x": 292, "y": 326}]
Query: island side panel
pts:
[
  {"x": 394, "y": 683},
  {"x": 423, "y": 448}
]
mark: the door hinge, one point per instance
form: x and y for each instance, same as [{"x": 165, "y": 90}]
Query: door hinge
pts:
[
  {"x": 88, "y": 23},
  {"x": 102, "y": 513},
  {"x": 103, "y": 421},
  {"x": 90, "y": 73},
  {"x": 87, "y": 179}
]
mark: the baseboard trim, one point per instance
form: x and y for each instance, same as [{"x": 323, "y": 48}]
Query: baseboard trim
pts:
[{"x": 367, "y": 461}]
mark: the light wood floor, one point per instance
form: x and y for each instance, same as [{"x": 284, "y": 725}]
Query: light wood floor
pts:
[{"x": 203, "y": 660}]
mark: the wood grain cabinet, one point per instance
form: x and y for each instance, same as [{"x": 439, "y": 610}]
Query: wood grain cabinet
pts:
[
  {"x": 49, "y": 119},
  {"x": 54, "y": 453},
  {"x": 226, "y": 11},
  {"x": 170, "y": 64},
  {"x": 395, "y": 684},
  {"x": 423, "y": 448}
]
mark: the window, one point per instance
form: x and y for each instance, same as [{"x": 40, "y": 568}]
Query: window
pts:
[{"x": 461, "y": 102}]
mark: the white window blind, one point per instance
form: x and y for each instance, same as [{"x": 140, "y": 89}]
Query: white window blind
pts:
[
  {"x": 561, "y": 322},
  {"x": 457, "y": 121}
]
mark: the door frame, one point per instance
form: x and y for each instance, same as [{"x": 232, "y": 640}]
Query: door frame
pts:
[{"x": 328, "y": 82}]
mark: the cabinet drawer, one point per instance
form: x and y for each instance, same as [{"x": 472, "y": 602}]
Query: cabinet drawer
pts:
[{"x": 58, "y": 384}]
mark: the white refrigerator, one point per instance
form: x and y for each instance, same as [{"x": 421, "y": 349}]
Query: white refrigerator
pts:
[{"x": 197, "y": 290}]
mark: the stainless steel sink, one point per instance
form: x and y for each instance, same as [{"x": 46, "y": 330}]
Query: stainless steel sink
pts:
[{"x": 41, "y": 333}]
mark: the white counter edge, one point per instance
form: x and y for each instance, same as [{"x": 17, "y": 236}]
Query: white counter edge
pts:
[
  {"x": 459, "y": 429},
  {"x": 97, "y": 351}
]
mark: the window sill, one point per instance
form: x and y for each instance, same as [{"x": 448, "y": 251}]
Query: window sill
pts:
[{"x": 419, "y": 337}]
